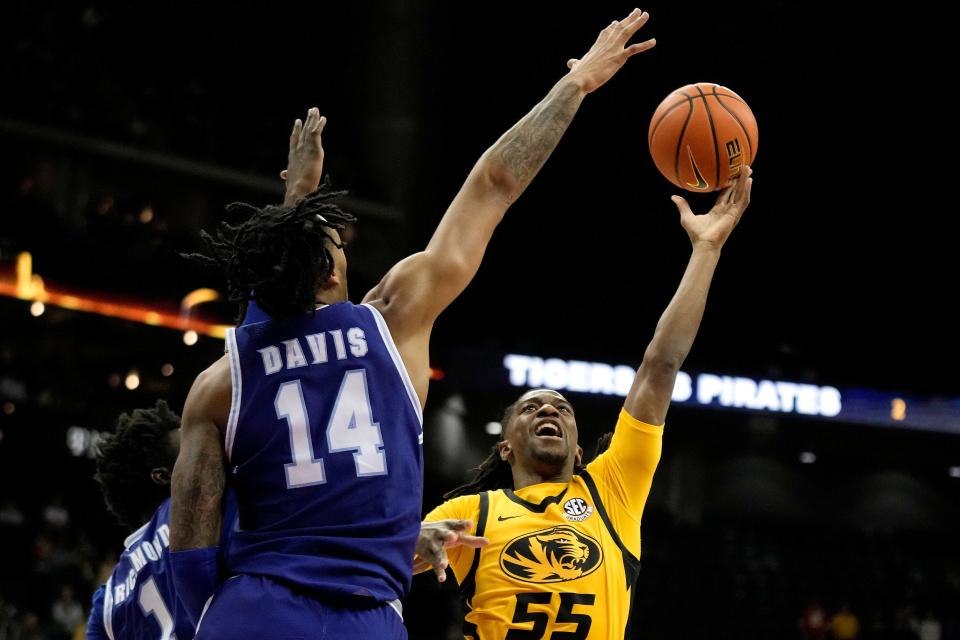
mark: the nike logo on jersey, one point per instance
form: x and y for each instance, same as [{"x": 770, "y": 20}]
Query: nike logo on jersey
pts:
[{"x": 502, "y": 518}]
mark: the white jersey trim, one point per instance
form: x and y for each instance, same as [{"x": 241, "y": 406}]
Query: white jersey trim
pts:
[
  {"x": 108, "y": 608},
  {"x": 236, "y": 383},
  {"x": 206, "y": 606},
  {"x": 135, "y": 536},
  {"x": 398, "y": 362},
  {"x": 396, "y": 606}
]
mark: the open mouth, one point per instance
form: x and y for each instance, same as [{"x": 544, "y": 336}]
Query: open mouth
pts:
[{"x": 548, "y": 430}]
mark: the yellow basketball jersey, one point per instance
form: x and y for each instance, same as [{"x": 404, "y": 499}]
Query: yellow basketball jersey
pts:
[{"x": 562, "y": 558}]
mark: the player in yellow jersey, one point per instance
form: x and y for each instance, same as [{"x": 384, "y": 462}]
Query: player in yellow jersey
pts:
[{"x": 564, "y": 539}]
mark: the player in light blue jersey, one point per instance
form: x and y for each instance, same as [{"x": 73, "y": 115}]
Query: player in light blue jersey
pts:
[
  {"x": 314, "y": 415},
  {"x": 133, "y": 469}
]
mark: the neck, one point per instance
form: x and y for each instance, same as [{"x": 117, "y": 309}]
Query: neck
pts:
[
  {"x": 523, "y": 478},
  {"x": 329, "y": 296}
]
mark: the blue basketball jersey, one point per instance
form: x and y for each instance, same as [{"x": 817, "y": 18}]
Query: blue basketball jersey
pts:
[
  {"x": 324, "y": 446},
  {"x": 139, "y": 601}
]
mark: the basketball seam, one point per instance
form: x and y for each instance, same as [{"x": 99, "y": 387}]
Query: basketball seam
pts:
[
  {"x": 689, "y": 99},
  {"x": 676, "y": 161},
  {"x": 713, "y": 132},
  {"x": 654, "y": 128},
  {"x": 739, "y": 122}
]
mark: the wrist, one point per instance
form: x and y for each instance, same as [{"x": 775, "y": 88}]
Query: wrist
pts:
[
  {"x": 576, "y": 81},
  {"x": 707, "y": 247},
  {"x": 296, "y": 191}
]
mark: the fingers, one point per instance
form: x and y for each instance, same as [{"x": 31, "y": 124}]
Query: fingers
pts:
[
  {"x": 681, "y": 204},
  {"x": 640, "y": 47},
  {"x": 310, "y": 125},
  {"x": 571, "y": 63},
  {"x": 686, "y": 213},
  {"x": 458, "y": 525},
  {"x": 632, "y": 23},
  {"x": 724, "y": 197},
  {"x": 740, "y": 187},
  {"x": 476, "y": 542},
  {"x": 295, "y": 134},
  {"x": 440, "y": 567}
]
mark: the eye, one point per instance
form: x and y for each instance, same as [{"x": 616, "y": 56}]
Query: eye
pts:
[
  {"x": 565, "y": 409},
  {"x": 527, "y": 407}
]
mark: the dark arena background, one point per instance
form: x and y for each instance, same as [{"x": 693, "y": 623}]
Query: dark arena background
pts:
[{"x": 125, "y": 128}]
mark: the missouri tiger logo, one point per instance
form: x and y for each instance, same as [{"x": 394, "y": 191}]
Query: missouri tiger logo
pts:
[{"x": 557, "y": 554}]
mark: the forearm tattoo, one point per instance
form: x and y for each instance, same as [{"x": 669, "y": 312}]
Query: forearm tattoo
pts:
[{"x": 525, "y": 148}]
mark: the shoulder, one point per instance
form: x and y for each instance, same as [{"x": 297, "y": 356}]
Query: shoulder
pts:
[
  {"x": 211, "y": 393},
  {"x": 461, "y": 507},
  {"x": 215, "y": 374}
]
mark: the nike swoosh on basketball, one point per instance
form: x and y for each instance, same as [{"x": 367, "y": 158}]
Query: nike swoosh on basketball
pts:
[
  {"x": 502, "y": 518},
  {"x": 701, "y": 183}
]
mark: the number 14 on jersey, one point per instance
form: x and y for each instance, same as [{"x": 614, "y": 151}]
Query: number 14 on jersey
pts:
[{"x": 351, "y": 428}]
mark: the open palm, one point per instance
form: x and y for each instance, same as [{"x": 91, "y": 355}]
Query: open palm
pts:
[{"x": 714, "y": 227}]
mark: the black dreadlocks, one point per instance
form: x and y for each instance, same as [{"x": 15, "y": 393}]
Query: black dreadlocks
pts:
[
  {"x": 126, "y": 459},
  {"x": 277, "y": 256},
  {"x": 494, "y": 472}
]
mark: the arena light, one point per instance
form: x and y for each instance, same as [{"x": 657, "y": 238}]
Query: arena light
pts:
[
  {"x": 166, "y": 370},
  {"x": 190, "y": 338},
  {"x": 37, "y": 309},
  {"x": 29, "y": 286},
  {"x": 808, "y": 457},
  {"x": 954, "y": 472},
  {"x": 898, "y": 409},
  {"x": 132, "y": 380},
  {"x": 494, "y": 428}
]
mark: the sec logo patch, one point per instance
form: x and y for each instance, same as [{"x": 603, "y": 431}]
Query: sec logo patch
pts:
[{"x": 577, "y": 510}]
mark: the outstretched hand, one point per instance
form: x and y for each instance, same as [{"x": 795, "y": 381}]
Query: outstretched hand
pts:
[
  {"x": 714, "y": 227},
  {"x": 305, "y": 157},
  {"x": 609, "y": 53},
  {"x": 436, "y": 537}
]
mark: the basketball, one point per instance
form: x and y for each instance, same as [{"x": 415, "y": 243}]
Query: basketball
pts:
[{"x": 701, "y": 135}]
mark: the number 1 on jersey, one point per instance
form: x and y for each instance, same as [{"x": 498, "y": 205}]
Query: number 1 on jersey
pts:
[
  {"x": 152, "y": 605},
  {"x": 351, "y": 428}
]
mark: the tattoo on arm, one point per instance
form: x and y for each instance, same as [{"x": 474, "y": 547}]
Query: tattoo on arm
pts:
[
  {"x": 524, "y": 149},
  {"x": 198, "y": 486}
]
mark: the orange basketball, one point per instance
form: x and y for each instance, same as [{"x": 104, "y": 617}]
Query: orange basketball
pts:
[{"x": 701, "y": 136}]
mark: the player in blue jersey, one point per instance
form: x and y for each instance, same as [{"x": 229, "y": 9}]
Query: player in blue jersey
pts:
[
  {"x": 133, "y": 470},
  {"x": 314, "y": 415}
]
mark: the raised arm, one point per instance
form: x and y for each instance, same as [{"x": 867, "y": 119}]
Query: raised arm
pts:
[
  {"x": 652, "y": 388},
  {"x": 417, "y": 289},
  {"x": 304, "y": 158}
]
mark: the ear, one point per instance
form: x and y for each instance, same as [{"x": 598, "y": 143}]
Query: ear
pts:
[
  {"x": 332, "y": 281},
  {"x": 578, "y": 459},
  {"x": 160, "y": 476},
  {"x": 506, "y": 454}
]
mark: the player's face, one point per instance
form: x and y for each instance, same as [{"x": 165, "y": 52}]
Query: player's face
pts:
[
  {"x": 161, "y": 475},
  {"x": 542, "y": 433}
]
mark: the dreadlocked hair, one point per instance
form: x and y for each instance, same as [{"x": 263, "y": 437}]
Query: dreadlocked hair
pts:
[
  {"x": 277, "y": 256},
  {"x": 126, "y": 459},
  {"x": 495, "y": 473}
]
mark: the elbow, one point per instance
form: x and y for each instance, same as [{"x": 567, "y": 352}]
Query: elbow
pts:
[
  {"x": 498, "y": 179},
  {"x": 663, "y": 364}
]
